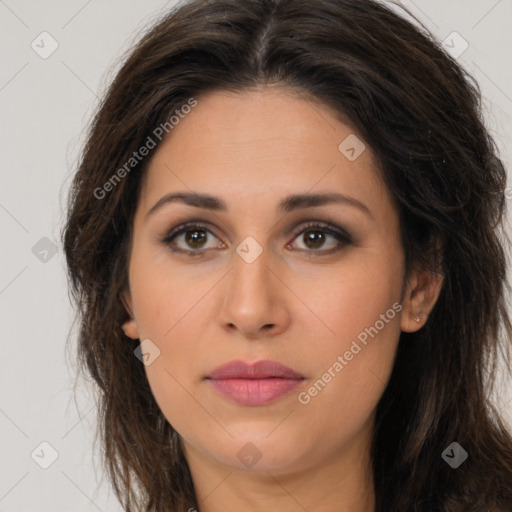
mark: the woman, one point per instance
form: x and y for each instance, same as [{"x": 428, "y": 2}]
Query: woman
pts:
[{"x": 285, "y": 242}]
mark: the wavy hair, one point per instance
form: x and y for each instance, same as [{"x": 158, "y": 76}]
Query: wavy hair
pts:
[{"x": 421, "y": 114}]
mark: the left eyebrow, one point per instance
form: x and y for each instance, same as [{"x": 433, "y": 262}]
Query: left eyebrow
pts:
[
  {"x": 298, "y": 201},
  {"x": 288, "y": 204}
]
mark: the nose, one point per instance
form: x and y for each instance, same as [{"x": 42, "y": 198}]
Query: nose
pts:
[{"x": 255, "y": 299}]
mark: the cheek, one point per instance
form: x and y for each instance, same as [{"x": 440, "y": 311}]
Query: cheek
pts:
[
  {"x": 352, "y": 298},
  {"x": 355, "y": 348},
  {"x": 162, "y": 294},
  {"x": 169, "y": 307}
]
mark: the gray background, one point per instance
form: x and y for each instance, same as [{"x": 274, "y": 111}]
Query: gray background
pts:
[{"x": 45, "y": 105}]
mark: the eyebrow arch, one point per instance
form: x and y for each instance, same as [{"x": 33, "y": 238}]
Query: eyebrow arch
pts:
[{"x": 288, "y": 204}]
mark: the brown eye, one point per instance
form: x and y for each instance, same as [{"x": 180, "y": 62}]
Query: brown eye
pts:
[
  {"x": 195, "y": 238},
  {"x": 191, "y": 238},
  {"x": 316, "y": 236},
  {"x": 314, "y": 239}
]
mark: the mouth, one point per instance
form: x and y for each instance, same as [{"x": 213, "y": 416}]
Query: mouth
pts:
[{"x": 255, "y": 384}]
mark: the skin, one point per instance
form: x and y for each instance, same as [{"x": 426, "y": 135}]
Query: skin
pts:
[{"x": 299, "y": 304}]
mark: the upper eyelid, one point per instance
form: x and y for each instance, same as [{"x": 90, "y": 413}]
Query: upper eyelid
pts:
[
  {"x": 327, "y": 226},
  {"x": 182, "y": 227}
]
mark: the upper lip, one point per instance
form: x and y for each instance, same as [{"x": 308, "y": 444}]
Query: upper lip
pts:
[{"x": 259, "y": 370}]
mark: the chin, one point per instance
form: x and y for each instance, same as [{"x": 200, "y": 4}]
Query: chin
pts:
[{"x": 260, "y": 452}]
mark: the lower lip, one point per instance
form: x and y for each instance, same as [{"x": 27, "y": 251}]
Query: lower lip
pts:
[{"x": 254, "y": 391}]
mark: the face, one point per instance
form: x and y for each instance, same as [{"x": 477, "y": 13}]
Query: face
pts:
[{"x": 261, "y": 272}]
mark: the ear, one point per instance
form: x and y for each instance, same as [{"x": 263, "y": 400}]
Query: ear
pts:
[
  {"x": 420, "y": 296},
  {"x": 130, "y": 326}
]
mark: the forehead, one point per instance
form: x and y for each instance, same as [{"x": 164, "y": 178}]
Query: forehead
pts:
[{"x": 262, "y": 143}]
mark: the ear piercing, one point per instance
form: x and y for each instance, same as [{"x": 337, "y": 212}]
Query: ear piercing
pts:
[{"x": 417, "y": 318}]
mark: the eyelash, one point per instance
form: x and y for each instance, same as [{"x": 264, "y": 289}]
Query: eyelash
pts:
[{"x": 343, "y": 238}]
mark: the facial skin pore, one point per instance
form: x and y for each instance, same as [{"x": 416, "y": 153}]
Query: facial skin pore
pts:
[{"x": 300, "y": 302}]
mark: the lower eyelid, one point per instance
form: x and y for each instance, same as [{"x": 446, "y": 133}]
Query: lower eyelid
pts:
[
  {"x": 340, "y": 243},
  {"x": 181, "y": 230},
  {"x": 337, "y": 233},
  {"x": 341, "y": 237}
]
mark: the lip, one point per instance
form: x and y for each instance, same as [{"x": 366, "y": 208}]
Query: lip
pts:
[
  {"x": 259, "y": 370},
  {"x": 254, "y": 384}
]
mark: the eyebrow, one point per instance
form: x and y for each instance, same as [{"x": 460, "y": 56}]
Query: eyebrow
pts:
[{"x": 288, "y": 204}]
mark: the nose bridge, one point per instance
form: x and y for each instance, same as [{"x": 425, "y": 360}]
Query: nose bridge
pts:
[
  {"x": 252, "y": 298},
  {"x": 253, "y": 252},
  {"x": 250, "y": 279}
]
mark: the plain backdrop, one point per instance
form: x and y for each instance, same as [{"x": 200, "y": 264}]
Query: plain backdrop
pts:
[{"x": 45, "y": 105}]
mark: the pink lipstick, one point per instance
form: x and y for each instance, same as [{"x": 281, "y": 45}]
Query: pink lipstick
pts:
[{"x": 254, "y": 384}]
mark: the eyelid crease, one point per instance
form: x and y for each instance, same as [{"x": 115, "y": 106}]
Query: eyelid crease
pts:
[{"x": 341, "y": 235}]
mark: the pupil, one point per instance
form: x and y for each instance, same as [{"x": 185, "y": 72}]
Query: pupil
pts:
[
  {"x": 195, "y": 237},
  {"x": 316, "y": 237}
]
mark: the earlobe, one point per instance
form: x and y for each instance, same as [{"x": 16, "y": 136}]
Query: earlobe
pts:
[
  {"x": 420, "y": 297},
  {"x": 130, "y": 329},
  {"x": 130, "y": 326}
]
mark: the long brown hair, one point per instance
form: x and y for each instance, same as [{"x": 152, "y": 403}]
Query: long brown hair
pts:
[{"x": 420, "y": 112}]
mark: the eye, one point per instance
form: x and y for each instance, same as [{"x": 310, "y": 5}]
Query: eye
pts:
[
  {"x": 314, "y": 236},
  {"x": 193, "y": 236}
]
